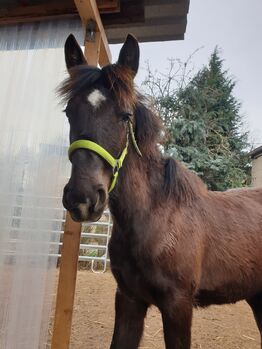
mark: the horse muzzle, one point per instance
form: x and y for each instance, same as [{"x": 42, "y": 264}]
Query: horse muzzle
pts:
[{"x": 84, "y": 207}]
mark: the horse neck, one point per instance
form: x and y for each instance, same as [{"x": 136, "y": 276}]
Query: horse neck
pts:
[
  {"x": 138, "y": 182},
  {"x": 141, "y": 187},
  {"x": 151, "y": 181}
]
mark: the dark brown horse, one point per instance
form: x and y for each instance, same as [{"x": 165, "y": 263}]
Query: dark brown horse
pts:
[{"x": 174, "y": 243}]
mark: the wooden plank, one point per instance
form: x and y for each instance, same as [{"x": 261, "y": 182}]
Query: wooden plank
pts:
[
  {"x": 88, "y": 11},
  {"x": 131, "y": 11},
  {"x": 148, "y": 33},
  {"x": 30, "y": 19},
  {"x": 66, "y": 284},
  {"x": 108, "y": 6},
  {"x": 49, "y": 10},
  {"x": 31, "y": 13}
]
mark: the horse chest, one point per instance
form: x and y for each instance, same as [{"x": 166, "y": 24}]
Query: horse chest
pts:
[{"x": 130, "y": 269}]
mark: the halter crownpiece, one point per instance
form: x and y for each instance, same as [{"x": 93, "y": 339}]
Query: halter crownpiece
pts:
[{"x": 116, "y": 164}]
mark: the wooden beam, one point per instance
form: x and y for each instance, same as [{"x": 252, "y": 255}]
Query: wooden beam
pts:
[
  {"x": 49, "y": 10},
  {"x": 88, "y": 10},
  {"x": 66, "y": 284},
  {"x": 92, "y": 50}
]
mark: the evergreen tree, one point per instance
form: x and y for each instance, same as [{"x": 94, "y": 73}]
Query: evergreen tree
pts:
[{"x": 204, "y": 124}]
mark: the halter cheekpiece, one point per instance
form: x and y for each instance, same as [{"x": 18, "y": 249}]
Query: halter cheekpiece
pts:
[{"x": 116, "y": 164}]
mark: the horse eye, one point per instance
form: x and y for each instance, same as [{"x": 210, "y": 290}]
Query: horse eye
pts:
[{"x": 126, "y": 116}]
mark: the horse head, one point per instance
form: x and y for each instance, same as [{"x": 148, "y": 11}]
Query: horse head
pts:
[{"x": 99, "y": 109}]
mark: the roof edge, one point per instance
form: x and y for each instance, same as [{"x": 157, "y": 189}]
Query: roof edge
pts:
[{"x": 256, "y": 152}]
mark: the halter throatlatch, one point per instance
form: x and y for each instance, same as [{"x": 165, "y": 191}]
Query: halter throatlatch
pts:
[{"x": 116, "y": 164}]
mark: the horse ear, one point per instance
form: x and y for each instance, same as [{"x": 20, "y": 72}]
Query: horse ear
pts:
[
  {"x": 129, "y": 54},
  {"x": 73, "y": 53}
]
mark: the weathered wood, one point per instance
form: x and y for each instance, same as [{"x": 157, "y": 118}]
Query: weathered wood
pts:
[
  {"x": 88, "y": 10},
  {"x": 108, "y": 6},
  {"x": 92, "y": 50},
  {"x": 50, "y": 10},
  {"x": 150, "y": 20},
  {"x": 66, "y": 284},
  {"x": 17, "y": 14},
  {"x": 131, "y": 11}
]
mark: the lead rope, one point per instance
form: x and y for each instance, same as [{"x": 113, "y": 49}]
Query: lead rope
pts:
[{"x": 132, "y": 133}]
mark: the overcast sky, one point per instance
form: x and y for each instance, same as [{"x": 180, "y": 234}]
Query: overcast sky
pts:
[{"x": 236, "y": 27}]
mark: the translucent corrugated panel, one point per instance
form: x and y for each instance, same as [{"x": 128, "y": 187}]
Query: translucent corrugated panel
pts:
[{"x": 34, "y": 168}]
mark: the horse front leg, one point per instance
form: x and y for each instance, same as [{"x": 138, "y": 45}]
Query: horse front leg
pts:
[
  {"x": 129, "y": 322},
  {"x": 177, "y": 320},
  {"x": 256, "y": 306}
]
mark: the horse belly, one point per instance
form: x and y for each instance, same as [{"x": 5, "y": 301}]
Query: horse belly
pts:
[
  {"x": 232, "y": 264},
  {"x": 236, "y": 287},
  {"x": 204, "y": 298}
]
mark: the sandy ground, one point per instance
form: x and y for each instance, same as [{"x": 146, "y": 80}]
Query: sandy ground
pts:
[{"x": 217, "y": 327}]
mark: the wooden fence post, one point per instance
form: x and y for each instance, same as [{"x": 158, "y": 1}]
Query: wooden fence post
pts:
[{"x": 66, "y": 284}]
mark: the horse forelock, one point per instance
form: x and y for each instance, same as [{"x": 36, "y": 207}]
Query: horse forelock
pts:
[
  {"x": 120, "y": 81},
  {"x": 117, "y": 79},
  {"x": 80, "y": 78}
]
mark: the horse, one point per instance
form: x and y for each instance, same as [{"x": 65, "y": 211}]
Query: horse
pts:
[{"x": 174, "y": 244}]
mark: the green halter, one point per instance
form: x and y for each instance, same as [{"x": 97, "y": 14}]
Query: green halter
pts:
[{"x": 116, "y": 164}]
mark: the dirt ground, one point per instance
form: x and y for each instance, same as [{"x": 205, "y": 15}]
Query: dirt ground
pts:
[{"x": 217, "y": 327}]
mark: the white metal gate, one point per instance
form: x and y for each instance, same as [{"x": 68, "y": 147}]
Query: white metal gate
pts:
[{"x": 94, "y": 243}]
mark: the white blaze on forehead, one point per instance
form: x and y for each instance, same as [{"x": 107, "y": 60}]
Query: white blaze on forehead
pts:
[{"x": 95, "y": 98}]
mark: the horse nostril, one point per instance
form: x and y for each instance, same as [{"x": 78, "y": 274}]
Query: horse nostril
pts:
[
  {"x": 71, "y": 199},
  {"x": 100, "y": 199},
  {"x": 68, "y": 201},
  {"x": 102, "y": 196}
]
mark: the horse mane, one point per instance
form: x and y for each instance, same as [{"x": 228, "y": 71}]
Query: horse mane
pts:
[
  {"x": 179, "y": 183},
  {"x": 148, "y": 126}
]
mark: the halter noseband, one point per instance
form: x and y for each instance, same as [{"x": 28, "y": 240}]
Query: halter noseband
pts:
[{"x": 116, "y": 164}]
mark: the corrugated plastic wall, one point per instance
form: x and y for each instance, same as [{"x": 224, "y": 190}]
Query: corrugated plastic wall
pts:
[{"x": 34, "y": 167}]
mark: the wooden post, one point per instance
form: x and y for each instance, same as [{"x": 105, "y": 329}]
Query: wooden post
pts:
[
  {"x": 88, "y": 11},
  {"x": 66, "y": 284},
  {"x": 96, "y": 51},
  {"x": 92, "y": 47}
]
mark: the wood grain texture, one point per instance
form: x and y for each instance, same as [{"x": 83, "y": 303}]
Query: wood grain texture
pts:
[
  {"x": 88, "y": 10},
  {"x": 66, "y": 284}
]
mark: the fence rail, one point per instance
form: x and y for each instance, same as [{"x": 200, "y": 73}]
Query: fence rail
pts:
[{"x": 94, "y": 238}]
